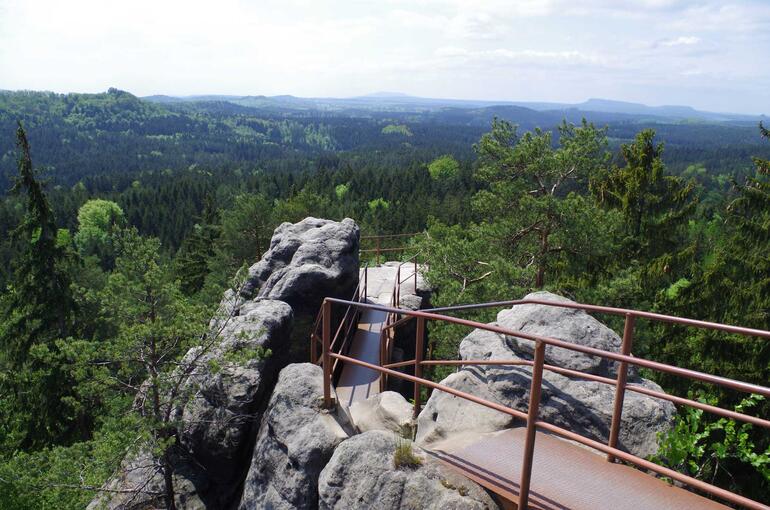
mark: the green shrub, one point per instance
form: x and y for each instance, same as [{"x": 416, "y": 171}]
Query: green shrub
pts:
[{"x": 721, "y": 452}]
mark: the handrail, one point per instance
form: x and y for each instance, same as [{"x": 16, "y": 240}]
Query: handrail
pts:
[
  {"x": 625, "y": 358},
  {"x": 610, "y": 310},
  {"x": 722, "y": 381},
  {"x": 378, "y": 239},
  {"x": 359, "y": 295},
  {"x": 390, "y": 236},
  {"x": 392, "y": 318}
]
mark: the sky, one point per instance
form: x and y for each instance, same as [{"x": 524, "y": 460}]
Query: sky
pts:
[{"x": 712, "y": 55}]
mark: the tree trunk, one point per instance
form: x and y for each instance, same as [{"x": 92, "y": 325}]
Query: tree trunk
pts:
[
  {"x": 541, "y": 260},
  {"x": 168, "y": 483}
]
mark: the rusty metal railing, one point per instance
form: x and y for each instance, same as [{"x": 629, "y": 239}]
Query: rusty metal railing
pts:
[
  {"x": 538, "y": 365},
  {"x": 379, "y": 249},
  {"x": 347, "y": 324},
  {"x": 387, "y": 334}
]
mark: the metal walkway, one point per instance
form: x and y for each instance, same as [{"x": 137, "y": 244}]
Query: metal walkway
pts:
[
  {"x": 357, "y": 382},
  {"x": 565, "y": 476},
  {"x": 540, "y": 466}
]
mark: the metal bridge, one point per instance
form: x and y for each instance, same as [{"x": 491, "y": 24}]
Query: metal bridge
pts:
[{"x": 537, "y": 465}]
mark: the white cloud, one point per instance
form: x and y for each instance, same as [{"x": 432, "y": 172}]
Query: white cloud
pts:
[
  {"x": 684, "y": 40},
  {"x": 504, "y": 55},
  {"x": 644, "y": 50}
]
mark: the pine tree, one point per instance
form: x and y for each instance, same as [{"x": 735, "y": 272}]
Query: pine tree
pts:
[
  {"x": 528, "y": 180},
  {"x": 731, "y": 287}
]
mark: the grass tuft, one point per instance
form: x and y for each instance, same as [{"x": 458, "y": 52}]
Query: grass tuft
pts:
[{"x": 404, "y": 456}]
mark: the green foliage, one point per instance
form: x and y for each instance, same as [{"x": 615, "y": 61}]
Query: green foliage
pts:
[
  {"x": 655, "y": 205},
  {"x": 526, "y": 180},
  {"x": 192, "y": 260},
  {"x": 732, "y": 286},
  {"x": 98, "y": 222},
  {"x": 444, "y": 168},
  {"x": 243, "y": 235},
  {"x": 378, "y": 204},
  {"x": 37, "y": 311},
  {"x": 341, "y": 190},
  {"x": 63, "y": 477},
  {"x": 397, "y": 129},
  {"x": 718, "y": 450}
]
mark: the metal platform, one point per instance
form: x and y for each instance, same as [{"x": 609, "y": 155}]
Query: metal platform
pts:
[
  {"x": 356, "y": 382},
  {"x": 565, "y": 476}
]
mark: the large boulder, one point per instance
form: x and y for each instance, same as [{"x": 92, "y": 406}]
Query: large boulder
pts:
[
  {"x": 233, "y": 378},
  {"x": 295, "y": 441},
  {"x": 384, "y": 411},
  {"x": 576, "y": 404},
  {"x": 362, "y": 474},
  {"x": 568, "y": 324},
  {"x": 306, "y": 262}
]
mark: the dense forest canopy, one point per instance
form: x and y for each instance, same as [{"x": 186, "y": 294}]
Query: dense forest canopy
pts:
[
  {"x": 219, "y": 132},
  {"x": 124, "y": 219}
]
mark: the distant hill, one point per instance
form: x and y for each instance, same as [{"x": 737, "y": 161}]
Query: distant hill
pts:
[
  {"x": 397, "y": 102},
  {"x": 79, "y": 135}
]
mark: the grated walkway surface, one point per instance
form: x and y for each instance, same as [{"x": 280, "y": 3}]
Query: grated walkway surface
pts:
[
  {"x": 565, "y": 476},
  {"x": 357, "y": 382}
]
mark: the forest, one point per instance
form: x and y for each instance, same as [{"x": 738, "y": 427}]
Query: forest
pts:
[{"x": 125, "y": 219}]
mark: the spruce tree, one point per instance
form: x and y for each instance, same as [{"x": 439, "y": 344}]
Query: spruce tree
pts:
[
  {"x": 192, "y": 261},
  {"x": 654, "y": 204},
  {"x": 37, "y": 312},
  {"x": 38, "y": 307}
]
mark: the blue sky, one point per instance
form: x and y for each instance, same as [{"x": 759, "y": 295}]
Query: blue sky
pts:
[{"x": 712, "y": 55}]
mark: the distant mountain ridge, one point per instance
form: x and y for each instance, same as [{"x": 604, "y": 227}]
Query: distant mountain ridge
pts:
[{"x": 394, "y": 101}]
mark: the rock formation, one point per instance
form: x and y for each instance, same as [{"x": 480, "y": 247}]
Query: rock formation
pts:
[
  {"x": 582, "y": 406},
  {"x": 247, "y": 442},
  {"x": 295, "y": 441},
  {"x": 223, "y": 399},
  {"x": 362, "y": 474},
  {"x": 385, "y": 411},
  {"x": 218, "y": 420},
  {"x": 306, "y": 262}
]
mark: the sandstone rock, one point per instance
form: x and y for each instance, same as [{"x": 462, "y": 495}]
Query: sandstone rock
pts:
[
  {"x": 576, "y": 404},
  {"x": 217, "y": 419},
  {"x": 217, "y": 409},
  {"x": 139, "y": 485},
  {"x": 361, "y": 474},
  {"x": 572, "y": 325},
  {"x": 295, "y": 441},
  {"x": 385, "y": 411},
  {"x": 410, "y": 302},
  {"x": 306, "y": 262}
]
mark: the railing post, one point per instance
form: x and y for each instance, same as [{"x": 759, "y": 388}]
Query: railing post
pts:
[
  {"x": 398, "y": 287},
  {"x": 378, "y": 250},
  {"x": 532, "y": 414},
  {"x": 418, "y": 348},
  {"x": 327, "y": 366},
  {"x": 382, "y": 360},
  {"x": 313, "y": 348},
  {"x": 620, "y": 388}
]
